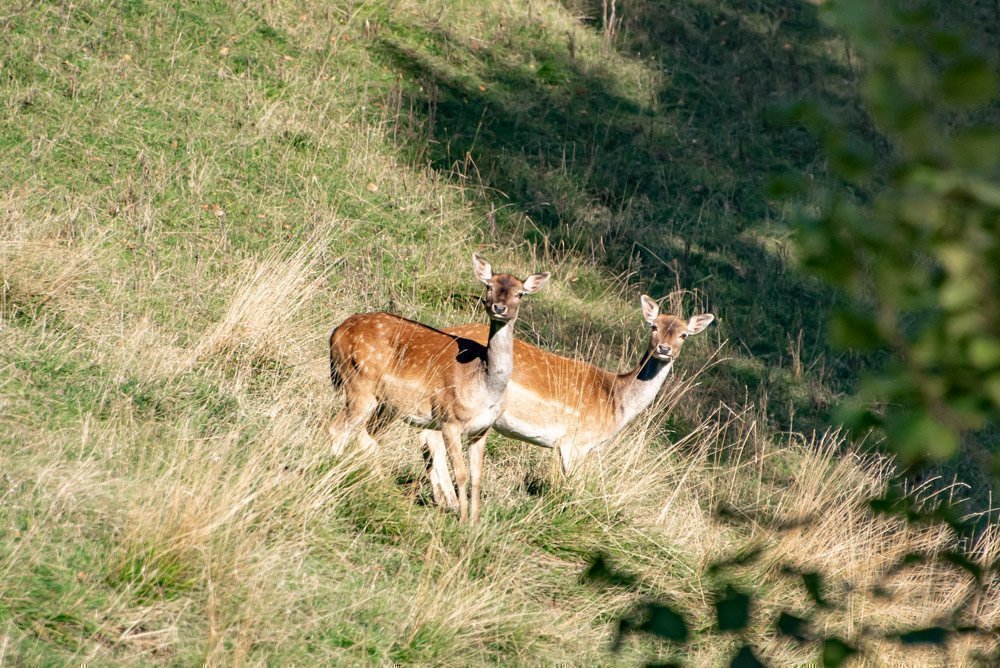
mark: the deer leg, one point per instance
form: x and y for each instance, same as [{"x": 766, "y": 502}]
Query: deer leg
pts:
[
  {"x": 357, "y": 410},
  {"x": 476, "y": 453},
  {"x": 374, "y": 425},
  {"x": 570, "y": 456},
  {"x": 340, "y": 430},
  {"x": 436, "y": 457},
  {"x": 444, "y": 481},
  {"x": 453, "y": 440},
  {"x": 427, "y": 453},
  {"x": 369, "y": 446}
]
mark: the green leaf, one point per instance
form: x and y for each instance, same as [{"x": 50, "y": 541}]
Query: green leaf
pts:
[
  {"x": 977, "y": 148},
  {"x": 836, "y": 652},
  {"x": 968, "y": 82},
  {"x": 893, "y": 385},
  {"x": 665, "y": 623},
  {"x": 961, "y": 291},
  {"x": 745, "y": 658},
  {"x": 984, "y": 352},
  {"x": 946, "y": 43},
  {"x": 913, "y": 14},
  {"x": 956, "y": 256},
  {"x": 963, "y": 323},
  {"x": 850, "y": 330},
  {"x": 892, "y": 503},
  {"x": 850, "y": 156},
  {"x": 795, "y": 111},
  {"x": 857, "y": 417},
  {"x": 656, "y": 619},
  {"x": 860, "y": 20},
  {"x": 813, "y": 582},
  {"x": 792, "y": 626},
  {"x": 932, "y": 635},
  {"x": 916, "y": 436},
  {"x": 907, "y": 560},
  {"x": 601, "y": 572},
  {"x": 732, "y": 610},
  {"x": 948, "y": 513},
  {"x": 625, "y": 627},
  {"x": 991, "y": 388}
]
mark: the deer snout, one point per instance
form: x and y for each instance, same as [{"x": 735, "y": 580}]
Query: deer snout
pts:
[
  {"x": 664, "y": 351},
  {"x": 499, "y": 309}
]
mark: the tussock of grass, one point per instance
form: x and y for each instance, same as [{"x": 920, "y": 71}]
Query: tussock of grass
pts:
[
  {"x": 43, "y": 273},
  {"x": 258, "y": 320}
]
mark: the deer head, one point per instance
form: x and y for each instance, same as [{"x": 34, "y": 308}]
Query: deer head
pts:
[
  {"x": 668, "y": 332},
  {"x": 505, "y": 291}
]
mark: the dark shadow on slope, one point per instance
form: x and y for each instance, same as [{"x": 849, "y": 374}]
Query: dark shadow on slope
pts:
[{"x": 670, "y": 187}]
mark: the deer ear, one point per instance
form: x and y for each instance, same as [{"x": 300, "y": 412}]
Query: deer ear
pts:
[
  {"x": 482, "y": 268},
  {"x": 699, "y": 322},
  {"x": 649, "y": 309},
  {"x": 536, "y": 282}
]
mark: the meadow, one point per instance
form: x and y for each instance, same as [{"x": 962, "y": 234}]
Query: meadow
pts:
[{"x": 193, "y": 194}]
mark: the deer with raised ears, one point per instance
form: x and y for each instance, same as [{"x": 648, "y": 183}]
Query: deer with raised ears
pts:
[
  {"x": 568, "y": 404},
  {"x": 389, "y": 366}
]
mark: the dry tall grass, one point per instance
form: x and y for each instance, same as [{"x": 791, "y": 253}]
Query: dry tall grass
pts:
[
  {"x": 166, "y": 494},
  {"x": 210, "y": 544}
]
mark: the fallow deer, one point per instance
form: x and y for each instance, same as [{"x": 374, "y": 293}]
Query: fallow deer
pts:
[
  {"x": 568, "y": 404},
  {"x": 389, "y": 367}
]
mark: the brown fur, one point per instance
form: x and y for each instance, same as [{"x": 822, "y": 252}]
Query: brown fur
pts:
[
  {"x": 391, "y": 367},
  {"x": 572, "y": 383},
  {"x": 412, "y": 367},
  {"x": 571, "y": 405},
  {"x": 591, "y": 393}
]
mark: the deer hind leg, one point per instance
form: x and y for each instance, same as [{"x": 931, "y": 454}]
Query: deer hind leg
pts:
[
  {"x": 453, "y": 440},
  {"x": 369, "y": 446},
  {"x": 357, "y": 410},
  {"x": 374, "y": 425},
  {"x": 436, "y": 457},
  {"x": 477, "y": 452}
]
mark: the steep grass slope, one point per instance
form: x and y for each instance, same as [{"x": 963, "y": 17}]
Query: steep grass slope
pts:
[{"x": 194, "y": 193}]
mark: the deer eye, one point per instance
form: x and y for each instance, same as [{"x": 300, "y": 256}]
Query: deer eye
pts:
[
  {"x": 520, "y": 294},
  {"x": 684, "y": 335}
]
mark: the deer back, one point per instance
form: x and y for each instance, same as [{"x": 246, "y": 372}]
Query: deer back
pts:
[{"x": 405, "y": 363}]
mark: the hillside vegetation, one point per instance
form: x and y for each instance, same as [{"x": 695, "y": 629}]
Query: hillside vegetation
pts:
[{"x": 194, "y": 193}]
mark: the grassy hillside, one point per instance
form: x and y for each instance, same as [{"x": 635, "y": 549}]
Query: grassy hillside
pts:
[{"x": 193, "y": 194}]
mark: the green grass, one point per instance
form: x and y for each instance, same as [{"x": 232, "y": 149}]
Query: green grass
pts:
[
  {"x": 195, "y": 193},
  {"x": 662, "y": 168}
]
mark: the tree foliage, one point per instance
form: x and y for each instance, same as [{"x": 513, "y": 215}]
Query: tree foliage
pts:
[
  {"x": 915, "y": 237},
  {"x": 912, "y": 236}
]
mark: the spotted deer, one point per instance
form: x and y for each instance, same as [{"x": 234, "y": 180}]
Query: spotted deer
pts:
[
  {"x": 568, "y": 404},
  {"x": 389, "y": 366}
]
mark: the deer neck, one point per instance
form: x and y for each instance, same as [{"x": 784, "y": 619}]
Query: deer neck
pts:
[
  {"x": 637, "y": 389},
  {"x": 499, "y": 356}
]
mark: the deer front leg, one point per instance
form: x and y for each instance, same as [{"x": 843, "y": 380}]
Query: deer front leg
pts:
[
  {"x": 442, "y": 487},
  {"x": 452, "y": 434},
  {"x": 476, "y": 452},
  {"x": 571, "y": 456}
]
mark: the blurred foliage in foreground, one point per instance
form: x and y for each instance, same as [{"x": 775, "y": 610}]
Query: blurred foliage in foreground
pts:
[{"x": 914, "y": 238}]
